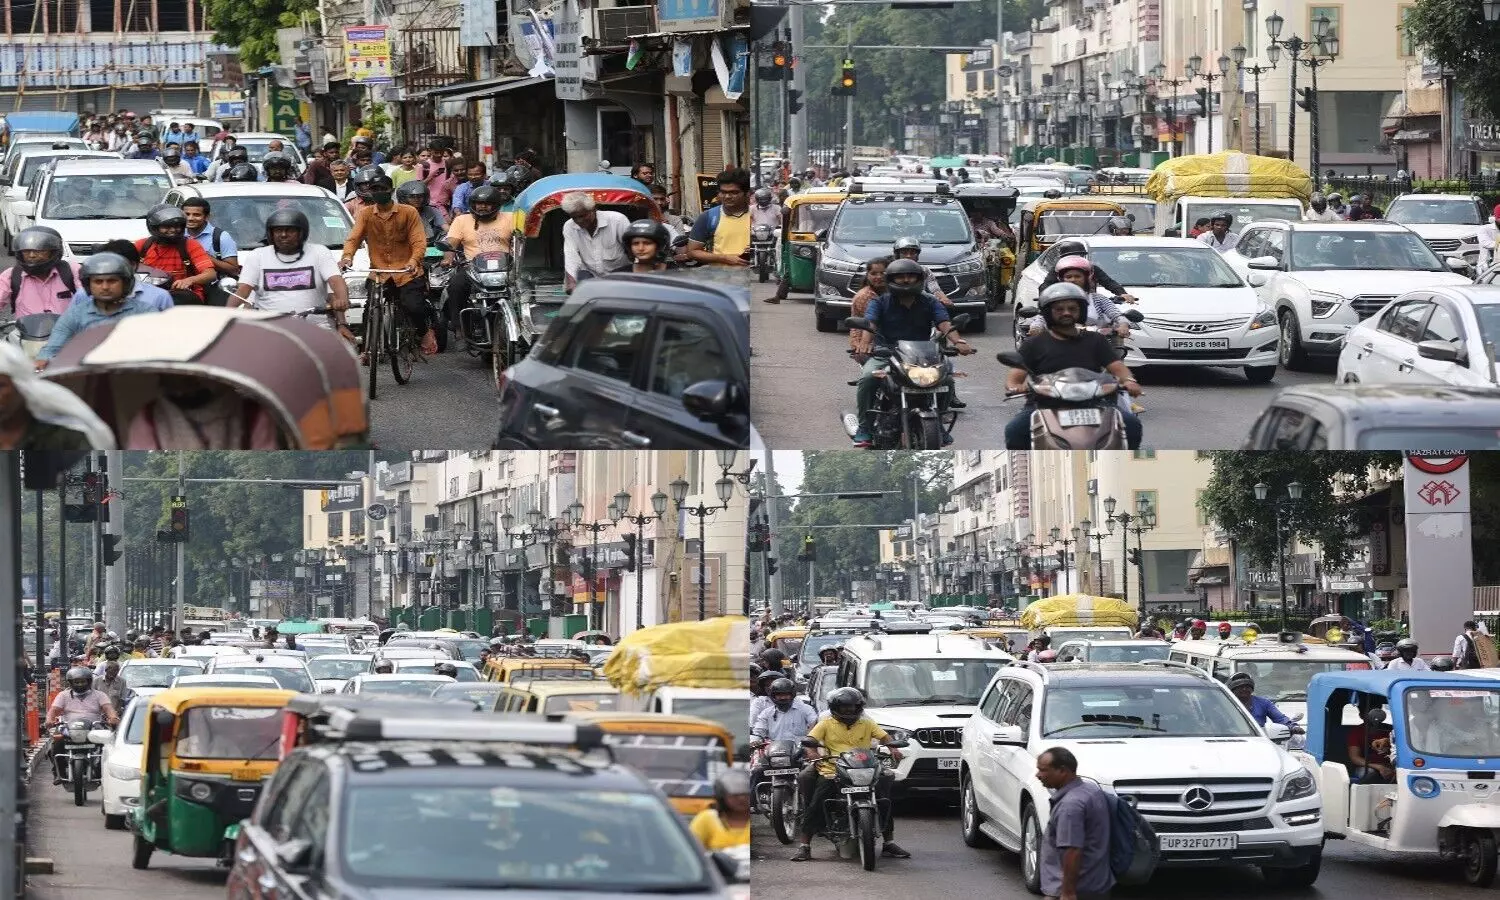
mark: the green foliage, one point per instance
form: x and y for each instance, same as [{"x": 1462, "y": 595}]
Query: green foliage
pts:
[
  {"x": 1453, "y": 34},
  {"x": 250, "y": 25}
]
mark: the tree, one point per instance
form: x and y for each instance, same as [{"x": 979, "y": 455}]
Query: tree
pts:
[
  {"x": 250, "y": 25},
  {"x": 1454, "y": 34}
]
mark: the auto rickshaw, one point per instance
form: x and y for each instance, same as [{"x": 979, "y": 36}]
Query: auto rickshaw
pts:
[
  {"x": 594, "y": 638},
  {"x": 805, "y": 216},
  {"x": 787, "y": 640},
  {"x": 304, "y": 378},
  {"x": 537, "y": 243},
  {"x": 682, "y": 755},
  {"x": 207, "y": 754},
  {"x": 1047, "y": 221},
  {"x": 1444, "y": 733},
  {"x": 996, "y": 202},
  {"x": 510, "y": 668}
]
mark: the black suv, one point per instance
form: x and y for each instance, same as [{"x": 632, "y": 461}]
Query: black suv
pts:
[
  {"x": 865, "y": 227},
  {"x": 635, "y": 362}
]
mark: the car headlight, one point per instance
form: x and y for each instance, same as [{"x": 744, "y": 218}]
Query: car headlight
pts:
[
  {"x": 842, "y": 266},
  {"x": 1264, "y": 319},
  {"x": 923, "y": 376},
  {"x": 1471, "y": 239},
  {"x": 200, "y": 792},
  {"x": 897, "y": 734},
  {"x": 1296, "y": 786},
  {"x": 967, "y": 267},
  {"x": 123, "y": 773},
  {"x": 1324, "y": 305}
]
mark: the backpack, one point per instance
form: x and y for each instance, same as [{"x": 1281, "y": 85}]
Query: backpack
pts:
[
  {"x": 64, "y": 272},
  {"x": 187, "y": 260},
  {"x": 1133, "y": 848}
]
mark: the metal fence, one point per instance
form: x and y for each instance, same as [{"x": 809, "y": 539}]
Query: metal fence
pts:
[{"x": 1383, "y": 189}]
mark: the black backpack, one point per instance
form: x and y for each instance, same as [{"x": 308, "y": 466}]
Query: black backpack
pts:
[
  {"x": 187, "y": 260},
  {"x": 64, "y": 271}
]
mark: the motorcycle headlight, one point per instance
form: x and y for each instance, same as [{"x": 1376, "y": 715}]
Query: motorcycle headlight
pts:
[
  {"x": 923, "y": 376},
  {"x": 967, "y": 266},
  {"x": 1324, "y": 305},
  {"x": 1076, "y": 391},
  {"x": 860, "y": 777},
  {"x": 842, "y": 266},
  {"x": 1296, "y": 786},
  {"x": 1263, "y": 319},
  {"x": 779, "y": 762},
  {"x": 805, "y": 251},
  {"x": 492, "y": 279},
  {"x": 78, "y": 732}
]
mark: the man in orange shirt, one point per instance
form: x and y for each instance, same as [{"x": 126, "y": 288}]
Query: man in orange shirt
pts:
[
  {"x": 395, "y": 238},
  {"x": 169, "y": 250}
]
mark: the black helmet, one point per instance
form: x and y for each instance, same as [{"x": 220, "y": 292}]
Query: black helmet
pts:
[
  {"x": 1443, "y": 664},
  {"x": 1222, "y": 216},
  {"x": 1071, "y": 248},
  {"x": 446, "y": 668},
  {"x": 503, "y": 181},
  {"x": 519, "y": 176},
  {"x": 102, "y": 265},
  {"x": 242, "y": 172},
  {"x": 145, "y": 137},
  {"x": 414, "y": 193},
  {"x": 768, "y": 678},
  {"x": 1058, "y": 292},
  {"x": 164, "y": 215},
  {"x": 763, "y": 197},
  {"x": 385, "y": 667},
  {"x": 846, "y": 704},
  {"x": 79, "y": 679},
  {"x": 782, "y": 687},
  {"x": 773, "y": 659},
  {"x": 1317, "y": 199},
  {"x": 288, "y": 218},
  {"x": 381, "y": 187},
  {"x": 1119, "y": 225},
  {"x": 38, "y": 239},
  {"x": 236, "y": 155},
  {"x": 1241, "y": 680},
  {"x": 901, "y": 268},
  {"x": 278, "y": 161},
  {"x": 652, "y": 231},
  {"x": 363, "y": 177},
  {"x": 488, "y": 195}
]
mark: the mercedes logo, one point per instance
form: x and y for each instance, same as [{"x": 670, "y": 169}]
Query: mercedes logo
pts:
[{"x": 1197, "y": 798}]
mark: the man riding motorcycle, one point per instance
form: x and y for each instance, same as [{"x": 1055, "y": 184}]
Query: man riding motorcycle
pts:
[
  {"x": 1065, "y": 346},
  {"x": 241, "y": 172},
  {"x": 414, "y": 193},
  {"x": 169, "y": 249},
  {"x": 278, "y": 167},
  {"x": 80, "y": 701},
  {"x": 1066, "y": 248},
  {"x": 788, "y": 718},
  {"x": 480, "y": 230},
  {"x": 1407, "y": 658}
]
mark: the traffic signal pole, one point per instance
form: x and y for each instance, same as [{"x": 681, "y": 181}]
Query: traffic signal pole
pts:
[
  {"x": 797, "y": 140},
  {"x": 99, "y": 540},
  {"x": 180, "y": 598},
  {"x": 848, "y": 121},
  {"x": 115, "y": 614}
]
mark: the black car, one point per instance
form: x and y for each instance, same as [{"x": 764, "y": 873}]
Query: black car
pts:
[
  {"x": 1379, "y": 417},
  {"x": 865, "y": 228},
  {"x": 656, "y": 362}
]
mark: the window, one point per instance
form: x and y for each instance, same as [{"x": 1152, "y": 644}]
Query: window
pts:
[
  {"x": 335, "y": 524},
  {"x": 609, "y": 343},
  {"x": 686, "y": 353},
  {"x": 971, "y": 81},
  {"x": 993, "y": 701},
  {"x": 1017, "y": 695},
  {"x": 136, "y": 15},
  {"x": 1404, "y": 44},
  {"x": 312, "y": 825},
  {"x": 102, "y": 14},
  {"x": 1406, "y": 323},
  {"x": 1442, "y": 327},
  {"x": 172, "y": 16},
  {"x": 1252, "y": 243},
  {"x": 1198, "y": 505},
  {"x": 357, "y": 523},
  {"x": 1276, "y": 245},
  {"x": 1145, "y": 454},
  {"x": 1135, "y": 502},
  {"x": 989, "y": 80},
  {"x": 62, "y": 16},
  {"x": 1334, "y": 14},
  {"x": 288, "y": 790},
  {"x": 1288, "y": 430}
]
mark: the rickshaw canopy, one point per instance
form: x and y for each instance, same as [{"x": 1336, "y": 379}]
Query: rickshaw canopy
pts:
[
  {"x": 1391, "y": 685},
  {"x": 714, "y": 653},
  {"x": 797, "y": 216},
  {"x": 305, "y": 377},
  {"x": 546, "y": 194},
  {"x": 179, "y": 700}
]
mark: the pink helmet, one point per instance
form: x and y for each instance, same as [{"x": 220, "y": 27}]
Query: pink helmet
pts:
[{"x": 1070, "y": 263}]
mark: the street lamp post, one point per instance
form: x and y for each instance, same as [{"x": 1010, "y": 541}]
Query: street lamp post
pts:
[
  {"x": 1293, "y": 496},
  {"x": 1324, "y": 50},
  {"x": 725, "y": 489},
  {"x": 1098, "y": 539},
  {"x": 1074, "y": 537},
  {"x": 1140, "y": 522},
  {"x": 1194, "y": 70},
  {"x": 1159, "y": 72},
  {"x": 545, "y": 535},
  {"x": 1295, "y": 47},
  {"x": 640, "y": 521},
  {"x": 575, "y": 518},
  {"x": 1239, "y": 53}
]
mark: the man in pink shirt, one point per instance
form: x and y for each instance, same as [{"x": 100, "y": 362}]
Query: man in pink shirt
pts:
[
  {"x": 442, "y": 176},
  {"x": 41, "y": 281}
]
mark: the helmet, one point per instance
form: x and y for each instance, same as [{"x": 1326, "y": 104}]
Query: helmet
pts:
[
  {"x": 171, "y": 152},
  {"x": 488, "y": 195},
  {"x": 79, "y": 674},
  {"x": 380, "y": 186},
  {"x": 242, "y": 172},
  {"x": 1222, "y": 216},
  {"x": 836, "y": 649},
  {"x": 1241, "y": 680},
  {"x": 1443, "y": 664},
  {"x": 278, "y": 161},
  {"x": 288, "y": 218},
  {"x": 362, "y": 139},
  {"x": 162, "y": 216},
  {"x": 1060, "y": 292},
  {"x": 1318, "y": 199},
  {"x": 362, "y": 178},
  {"x": 773, "y": 659},
  {"x": 768, "y": 677},
  {"x": 780, "y": 687},
  {"x": 132, "y": 634},
  {"x": 111, "y": 652},
  {"x": 1072, "y": 248},
  {"x": 446, "y": 668},
  {"x": 763, "y": 197},
  {"x": 1335, "y": 196},
  {"x": 385, "y": 667},
  {"x": 906, "y": 243},
  {"x": 102, "y": 265},
  {"x": 846, "y": 704},
  {"x": 38, "y": 239},
  {"x": 413, "y": 193},
  {"x": 900, "y": 268},
  {"x": 518, "y": 175},
  {"x": 1119, "y": 225},
  {"x": 145, "y": 137},
  {"x": 1406, "y": 644},
  {"x": 731, "y": 782},
  {"x": 1074, "y": 263},
  {"x": 651, "y": 230},
  {"x": 236, "y": 155},
  {"x": 503, "y": 181}
]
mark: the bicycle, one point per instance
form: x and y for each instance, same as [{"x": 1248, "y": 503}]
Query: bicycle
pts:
[{"x": 393, "y": 335}]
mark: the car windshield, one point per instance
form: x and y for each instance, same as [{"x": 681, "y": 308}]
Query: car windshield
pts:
[
  {"x": 1393, "y": 251},
  {"x": 883, "y": 224},
  {"x": 1144, "y": 212},
  {"x": 157, "y": 675},
  {"x": 1085, "y": 634},
  {"x": 1449, "y": 721},
  {"x": 928, "y": 682},
  {"x": 244, "y": 217},
  {"x": 228, "y": 732},
  {"x": 1187, "y": 267},
  {"x": 815, "y": 643},
  {"x": 1285, "y": 680},
  {"x": 257, "y": 149},
  {"x": 465, "y": 673},
  {"x": 1488, "y": 315},
  {"x": 481, "y": 693},
  {"x": 100, "y": 195},
  {"x": 1407, "y": 211},
  {"x": 1073, "y": 222},
  {"x": 1143, "y": 710},
  {"x": 1119, "y": 653},
  {"x": 1436, "y": 439},
  {"x": 726, "y": 711},
  {"x": 566, "y": 703},
  {"x": 552, "y": 841},
  {"x": 1246, "y": 213},
  {"x": 416, "y": 687},
  {"x": 682, "y": 765},
  {"x": 327, "y": 667},
  {"x": 470, "y": 648},
  {"x": 313, "y": 651},
  {"x": 292, "y": 679}
]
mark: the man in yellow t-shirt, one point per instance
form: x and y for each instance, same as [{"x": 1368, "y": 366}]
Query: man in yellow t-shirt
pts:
[
  {"x": 726, "y": 824},
  {"x": 721, "y": 236},
  {"x": 845, "y": 728}
]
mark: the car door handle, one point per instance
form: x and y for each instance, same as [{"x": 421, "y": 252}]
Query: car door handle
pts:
[
  {"x": 639, "y": 440},
  {"x": 1406, "y": 365},
  {"x": 545, "y": 411}
]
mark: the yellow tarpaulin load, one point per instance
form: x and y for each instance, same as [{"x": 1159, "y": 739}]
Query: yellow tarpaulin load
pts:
[
  {"x": 711, "y": 654},
  {"x": 1228, "y": 175},
  {"x": 1079, "y": 609}
]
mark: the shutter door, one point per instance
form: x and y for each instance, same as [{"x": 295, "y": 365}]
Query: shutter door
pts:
[
  {"x": 712, "y": 156},
  {"x": 41, "y": 100},
  {"x": 139, "y": 100}
]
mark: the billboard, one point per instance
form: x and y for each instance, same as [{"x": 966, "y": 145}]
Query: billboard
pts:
[
  {"x": 344, "y": 498},
  {"x": 367, "y": 54}
]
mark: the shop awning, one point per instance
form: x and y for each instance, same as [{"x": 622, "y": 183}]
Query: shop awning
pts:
[{"x": 484, "y": 87}]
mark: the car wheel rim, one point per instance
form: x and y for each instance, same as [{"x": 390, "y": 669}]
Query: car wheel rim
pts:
[
  {"x": 1287, "y": 334},
  {"x": 1029, "y": 850},
  {"x": 968, "y": 808}
]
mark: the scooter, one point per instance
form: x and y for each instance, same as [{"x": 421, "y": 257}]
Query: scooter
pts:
[
  {"x": 763, "y": 249},
  {"x": 29, "y": 333},
  {"x": 855, "y": 814},
  {"x": 908, "y": 411},
  {"x": 78, "y": 758},
  {"x": 1076, "y": 409},
  {"x": 437, "y": 282}
]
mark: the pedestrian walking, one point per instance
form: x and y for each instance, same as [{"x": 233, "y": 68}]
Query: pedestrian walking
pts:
[{"x": 1074, "y": 861}]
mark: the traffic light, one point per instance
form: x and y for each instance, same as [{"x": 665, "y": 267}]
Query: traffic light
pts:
[
  {"x": 91, "y": 488},
  {"x": 1309, "y": 101},
  {"x": 629, "y": 551},
  {"x": 780, "y": 63},
  {"x": 770, "y": 565},
  {"x": 179, "y": 527},
  {"x": 1134, "y": 556},
  {"x": 108, "y": 551},
  {"x": 793, "y": 102},
  {"x": 809, "y": 549},
  {"x": 846, "y": 84},
  {"x": 1202, "y": 101}
]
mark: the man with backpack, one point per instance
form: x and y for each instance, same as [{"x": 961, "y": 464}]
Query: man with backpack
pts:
[
  {"x": 1471, "y": 647},
  {"x": 169, "y": 249},
  {"x": 1075, "y": 860},
  {"x": 41, "y": 281}
]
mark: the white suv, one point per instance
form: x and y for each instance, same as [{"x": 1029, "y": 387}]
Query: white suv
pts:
[
  {"x": 91, "y": 201},
  {"x": 1217, "y": 790},
  {"x": 923, "y": 688},
  {"x": 1449, "y": 223}
]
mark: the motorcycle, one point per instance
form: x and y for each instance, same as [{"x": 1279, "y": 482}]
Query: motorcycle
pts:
[
  {"x": 855, "y": 815},
  {"x": 488, "y": 324},
  {"x": 1076, "y": 409},
  {"x": 438, "y": 276},
  {"x": 777, "y": 795},
  {"x": 908, "y": 411},
  {"x": 763, "y": 250},
  {"x": 79, "y": 757},
  {"x": 30, "y": 333}
]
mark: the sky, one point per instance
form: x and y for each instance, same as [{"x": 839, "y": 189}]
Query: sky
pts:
[{"x": 788, "y": 468}]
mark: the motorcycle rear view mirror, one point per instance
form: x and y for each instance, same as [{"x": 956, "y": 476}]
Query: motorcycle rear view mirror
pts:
[
  {"x": 1011, "y": 358},
  {"x": 811, "y": 743},
  {"x": 898, "y": 745},
  {"x": 1028, "y": 311},
  {"x": 858, "y": 323},
  {"x": 1135, "y": 315}
]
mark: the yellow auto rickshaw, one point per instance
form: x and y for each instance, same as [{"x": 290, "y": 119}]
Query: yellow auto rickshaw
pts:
[
  {"x": 806, "y": 215},
  {"x": 787, "y": 640},
  {"x": 1045, "y": 222},
  {"x": 681, "y": 754},
  {"x": 207, "y": 753},
  {"x": 506, "y": 669}
]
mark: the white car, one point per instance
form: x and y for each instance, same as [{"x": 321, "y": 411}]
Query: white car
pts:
[
  {"x": 330, "y": 671},
  {"x": 466, "y": 671},
  {"x": 1199, "y": 311},
  {"x": 1324, "y": 278},
  {"x": 257, "y": 145},
  {"x": 205, "y": 652},
  {"x": 251, "y": 681},
  {"x": 289, "y": 671},
  {"x": 21, "y": 171},
  {"x": 410, "y": 684},
  {"x": 91, "y": 201},
  {"x": 152, "y": 676},
  {"x": 1442, "y": 335},
  {"x": 1449, "y": 223},
  {"x": 120, "y": 784}
]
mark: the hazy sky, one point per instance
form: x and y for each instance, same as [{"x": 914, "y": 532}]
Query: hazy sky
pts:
[{"x": 788, "y": 469}]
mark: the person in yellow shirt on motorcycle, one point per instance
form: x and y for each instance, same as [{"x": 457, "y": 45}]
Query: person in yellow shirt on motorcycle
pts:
[
  {"x": 845, "y": 728},
  {"x": 726, "y": 824}
]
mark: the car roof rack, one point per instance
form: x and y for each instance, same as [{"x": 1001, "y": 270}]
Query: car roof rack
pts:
[
  {"x": 353, "y": 724},
  {"x": 1030, "y": 666},
  {"x": 1177, "y": 664}
]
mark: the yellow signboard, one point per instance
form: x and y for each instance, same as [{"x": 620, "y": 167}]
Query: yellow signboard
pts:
[{"x": 367, "y": 54}]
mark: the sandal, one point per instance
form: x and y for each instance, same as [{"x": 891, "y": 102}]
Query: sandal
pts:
[{"x": 429, "y": 343}]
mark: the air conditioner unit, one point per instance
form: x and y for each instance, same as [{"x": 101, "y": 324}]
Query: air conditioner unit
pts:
[{"x": 615, "y": 27}]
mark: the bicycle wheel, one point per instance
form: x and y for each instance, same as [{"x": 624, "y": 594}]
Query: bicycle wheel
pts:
[
  {"x": 373, "y": 325},
  {"x": 400, "y": 345}
]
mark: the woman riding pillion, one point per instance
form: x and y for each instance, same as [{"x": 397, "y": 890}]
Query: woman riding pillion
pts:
[{"x": 649, "y": 246}]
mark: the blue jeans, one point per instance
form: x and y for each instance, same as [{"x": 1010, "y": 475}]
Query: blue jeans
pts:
[{"x": 1018, "y": 429}]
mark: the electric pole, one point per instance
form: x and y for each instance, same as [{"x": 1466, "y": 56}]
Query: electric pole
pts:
[{"x": 797, "y": 122}]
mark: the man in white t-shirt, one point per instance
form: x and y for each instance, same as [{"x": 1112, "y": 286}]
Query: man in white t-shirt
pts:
[
  {"x": 1219, "y": 236},
  {"x": 290, "y": 274}
]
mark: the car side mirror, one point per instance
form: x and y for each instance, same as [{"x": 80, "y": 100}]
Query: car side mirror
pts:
[
  {"x": 1258, "y": 279},
  {"x": 711, "y": 400},
  {"x": 1011, "y": 358},
  {"x": 1457, "y": 264},
  {"x": 1442, "y": 351},
  {"x": 735, "y": 871},
  {"x": 1134, "y": 315},
  {"x": 24, "y": 209},
  {"x": 821, "y": 235},
  {"x": 294, "y": 856},
  {"x": 1009, "y": 736},
  {"x": 1264, "y": 263}
]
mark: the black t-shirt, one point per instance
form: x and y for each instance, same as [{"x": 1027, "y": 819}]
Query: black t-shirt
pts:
[{"x": 1045, "y": 353}]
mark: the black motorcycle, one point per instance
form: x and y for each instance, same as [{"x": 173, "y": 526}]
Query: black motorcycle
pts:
[
  {"x": 78, "y": 758},
  {"x": 777, "y": 795},
  {"x": 489, "y": 325},
  {"x": 763, "y": 251},
  {"x": 910, "y": 409},
  {"x": 856, "y": 814},
  {"x": 1076, "y": 409}
]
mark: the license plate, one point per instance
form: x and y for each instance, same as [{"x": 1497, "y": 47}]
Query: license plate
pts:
[
  {"x": 1199, "y": 841},
  {"x": 949, "y": 763},
  {"x": 857, "y": 790},
  {"x": 1070, "y": 418},
  {"x": 1197, "y": 343},
  {"x": 771, "y": 772}
]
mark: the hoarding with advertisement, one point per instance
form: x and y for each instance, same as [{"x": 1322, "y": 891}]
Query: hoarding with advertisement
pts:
[
  {"x": 367, "y": 54},
  {"x": 344, "y": 498}
]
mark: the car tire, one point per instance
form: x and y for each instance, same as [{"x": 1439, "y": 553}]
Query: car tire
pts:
[
  {"x": 1477, "y": 854},
  {"x": 825, "y": 324},
  {"x": 1301, "y": 876},
  {"x": 969, "y": 815},
  {"x": 1031, "y": 850},
  {"x": 1293, "y": 356},
  {"x": 1260, "y": 374}
]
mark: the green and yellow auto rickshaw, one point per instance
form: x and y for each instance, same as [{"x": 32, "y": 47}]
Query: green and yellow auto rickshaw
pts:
[
  {"x": 806, "y": 215},
  {"x": 207, "y": 753}
]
